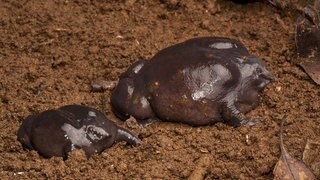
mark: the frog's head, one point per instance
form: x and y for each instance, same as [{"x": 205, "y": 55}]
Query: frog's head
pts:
[{"x": 255, "y": 73}]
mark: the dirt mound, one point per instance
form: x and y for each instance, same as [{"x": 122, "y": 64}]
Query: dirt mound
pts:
[{"x": 51, "y": 51}]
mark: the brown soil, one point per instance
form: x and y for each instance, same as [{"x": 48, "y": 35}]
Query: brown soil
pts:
[{"x": 51, "y": 51}]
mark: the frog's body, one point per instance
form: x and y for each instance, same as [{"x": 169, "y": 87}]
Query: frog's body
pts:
[
  {"x": 56, "y": 132},
  {"x": 198, "y": 82}
]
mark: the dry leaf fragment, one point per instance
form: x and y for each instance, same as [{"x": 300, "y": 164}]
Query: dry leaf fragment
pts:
[
  {"x": 308, "y": 41},
  {"x": 288, "y": 167},
  {"x": 311, "y": 156}
]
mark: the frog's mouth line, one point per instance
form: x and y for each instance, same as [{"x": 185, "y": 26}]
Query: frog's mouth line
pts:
[{"x": 268, "y": 75}]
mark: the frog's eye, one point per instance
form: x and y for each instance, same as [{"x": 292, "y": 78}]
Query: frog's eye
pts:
[
  {"x": 259, "y": 70},
  {"x": 95, "y": 133}
]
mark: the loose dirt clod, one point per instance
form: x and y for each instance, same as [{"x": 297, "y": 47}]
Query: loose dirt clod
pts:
[
  {"x": 102, "y": 86},
  {"x": 288, "y": 167},
  {"x": 202, "y": 167}
]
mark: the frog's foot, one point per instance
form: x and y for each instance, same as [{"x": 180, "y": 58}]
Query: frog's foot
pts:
[
  {"x": 236, "y": 121},
  {"x": 253, "y": 122},
  {"x": 119, "y": 115},
  {"x": 25, "y": 131},
  {"x": 125, "y": 135},
  {"x": 233, "y": 116},
  {"x": 147, "y": 122}
]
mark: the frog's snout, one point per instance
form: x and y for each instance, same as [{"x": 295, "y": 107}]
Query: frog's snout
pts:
[
  {"x": 268, "y": 74},
  {"x": 263, "y": 69}
]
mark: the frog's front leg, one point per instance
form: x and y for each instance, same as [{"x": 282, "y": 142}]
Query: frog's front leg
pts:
[
  {"x": 232, "y": 116},
  {"x": 125, "y": 135}
]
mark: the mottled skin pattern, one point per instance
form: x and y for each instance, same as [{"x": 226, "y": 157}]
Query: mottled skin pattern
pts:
[
  {"x": 199, "y": 82},
  {"x": 47, "y": 132}
]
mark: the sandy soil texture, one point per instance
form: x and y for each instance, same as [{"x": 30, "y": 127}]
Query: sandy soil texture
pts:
[{"x": 52, "y": 50}]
